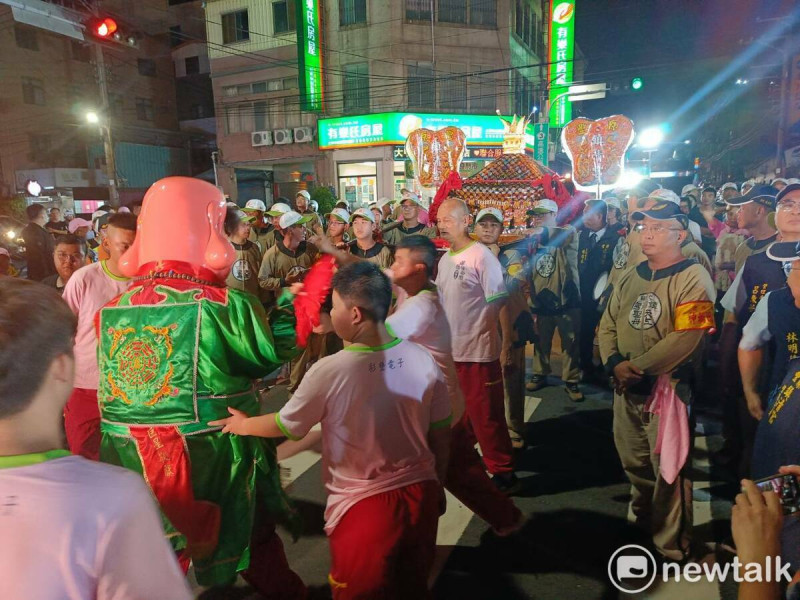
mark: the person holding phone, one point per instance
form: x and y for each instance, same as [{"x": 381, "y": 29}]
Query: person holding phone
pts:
[{"x": 758, "y": 524}]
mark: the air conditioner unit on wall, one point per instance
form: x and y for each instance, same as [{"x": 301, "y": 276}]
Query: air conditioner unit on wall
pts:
[
  {"x": 261, "y": 138},
  {"x": 282, "y": 136},
  {"x": 303, "y": 135}
]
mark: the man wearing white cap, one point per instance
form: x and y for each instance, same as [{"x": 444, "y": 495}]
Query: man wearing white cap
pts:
[
  {"x": 385, "y": 206},
  {"x": 274, "y": 214},
  {"x": 516, "y": 324},
  {"x": 338, "y": 219},
  {"x": 366, "y": 247},
  {"x": 409, "y": 207},
  {"x": 286, "y": 263},
  {"x": 693, "y": 191},
  {"x": 259, "y": 229},
  {"x": 554, "y": 298},
  {"x": 302, "y": 202}
]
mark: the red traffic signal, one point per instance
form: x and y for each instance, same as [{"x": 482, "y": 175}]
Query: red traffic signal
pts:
[
  {"x": 108, "y": 29},
  {"x": 105, "y": 28}
]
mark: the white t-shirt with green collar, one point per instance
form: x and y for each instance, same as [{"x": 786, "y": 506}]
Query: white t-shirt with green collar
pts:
[{"x": 470, "y": 284}]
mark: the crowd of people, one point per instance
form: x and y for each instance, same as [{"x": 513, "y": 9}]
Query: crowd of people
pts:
[{"x": 168, "y": 317}]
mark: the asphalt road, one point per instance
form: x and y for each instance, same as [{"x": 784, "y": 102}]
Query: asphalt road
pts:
[{"x": 576, "y": 497}]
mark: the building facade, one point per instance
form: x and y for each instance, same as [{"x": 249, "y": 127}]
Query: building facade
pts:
[
  {"x": 51, "y": 83},
  {"x": 384, "y": 62}
]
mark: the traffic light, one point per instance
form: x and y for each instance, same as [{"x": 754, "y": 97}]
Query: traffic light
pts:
[
  {"x": 108, "y": 29},
  {"x": 637, "y": 83},
  {"x": 105, "y": 28}
]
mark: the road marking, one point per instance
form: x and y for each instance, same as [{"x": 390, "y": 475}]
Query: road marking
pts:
[{"x": 454, "y": 521}]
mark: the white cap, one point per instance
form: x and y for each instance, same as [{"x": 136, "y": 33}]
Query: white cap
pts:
[
  {"x": 413, "y": 197},
  {"x": 545, "y": 205},
  {"x": 68, "y": 212},
  {"x": 124, "y": 209},
  {"x": 278, "y": 209},
  {"x": 792, "y": 180},
  {"x": 666, "y": 195},
  {"x": 366, "y": 213},
  {"x": 304, "y": 194},
  {"x": 780, "y": 180},
  {"x": 98, "y": 213},
  {"x": 244, "y": 217},
  {"x": 613, "y": 201},
  {"x": 688, "y": 188},
  {"x": 383, "y": 202},
  {"x": 255, "y": 204},
  {"x": 730, "y": 185},
  {"x": 491, "y": 212},
  {"x": 294, "y": 218},
  {"x": 339, "y": 214},
  {"x": 4, "y": 252}
]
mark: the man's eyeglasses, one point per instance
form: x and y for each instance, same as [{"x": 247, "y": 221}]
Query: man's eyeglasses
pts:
[
  {"x": 788, "y": 268},
  {"x": 655, "y": 229},
  {"x": 64, "y": 257},
  {"x": 788, "y": 205}
]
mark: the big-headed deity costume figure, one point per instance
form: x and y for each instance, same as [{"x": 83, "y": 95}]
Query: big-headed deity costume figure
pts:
[{"x": 174, "y": 352}]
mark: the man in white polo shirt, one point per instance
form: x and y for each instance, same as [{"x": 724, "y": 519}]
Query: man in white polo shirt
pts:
[{"x": 470, "y": 281}]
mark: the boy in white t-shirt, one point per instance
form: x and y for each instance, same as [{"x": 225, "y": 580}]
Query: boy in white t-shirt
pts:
[
  {"x": 385, "y": 413},
  {"x": 471, "y": 285},
  {"x": 70, "y": 528},
  {"x": 420, "y": 318}
]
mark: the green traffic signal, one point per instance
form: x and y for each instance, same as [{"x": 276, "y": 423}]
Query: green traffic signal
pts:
[{"x": 637, "y": 83}]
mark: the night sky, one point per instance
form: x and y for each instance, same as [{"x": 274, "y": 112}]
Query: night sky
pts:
[{"x": 676, "y": 45}]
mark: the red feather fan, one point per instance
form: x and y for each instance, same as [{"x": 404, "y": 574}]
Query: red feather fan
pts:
[{"x": 307, "y": 304}]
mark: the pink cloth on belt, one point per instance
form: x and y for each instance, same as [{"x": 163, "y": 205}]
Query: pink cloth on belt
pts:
[{"x": 673, "y": 438}]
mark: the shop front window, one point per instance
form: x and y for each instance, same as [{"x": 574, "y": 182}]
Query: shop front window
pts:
[{"x": 358, "y": 183}]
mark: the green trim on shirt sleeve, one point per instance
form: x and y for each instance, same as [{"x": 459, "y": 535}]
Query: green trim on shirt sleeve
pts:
[
  {"x": 496, "y": 296},
  {"x": 441, "y": 424},
  {"x": 283, "y": 429}
]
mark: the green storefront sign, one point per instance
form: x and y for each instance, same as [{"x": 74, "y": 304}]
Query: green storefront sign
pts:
[
  {"x": 383, "y": 129},
  {"x": 309, "y": 55},
  {"x": 562, "y": 52}
]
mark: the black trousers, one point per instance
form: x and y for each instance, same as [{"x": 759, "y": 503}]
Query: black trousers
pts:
[{"x": 590, "y": 317}]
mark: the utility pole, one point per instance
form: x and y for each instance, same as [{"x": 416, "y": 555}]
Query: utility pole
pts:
[{"x": 105, "y": 126}]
